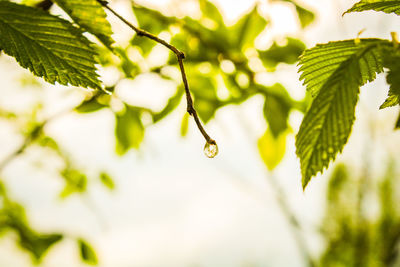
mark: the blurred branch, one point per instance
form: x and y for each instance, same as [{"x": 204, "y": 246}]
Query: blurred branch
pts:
[
  {"x": 292, "y": 220},
  {"x": 295, "y": 227},
  {"x": 180, "y": 56},
  {"x": 32, "y": 136}
]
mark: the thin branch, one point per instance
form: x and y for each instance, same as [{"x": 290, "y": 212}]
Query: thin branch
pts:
[
  {"x": 29, "y": 140},
  {"x": 180, "y": 56},
  {"x": 294, "y": 224}
]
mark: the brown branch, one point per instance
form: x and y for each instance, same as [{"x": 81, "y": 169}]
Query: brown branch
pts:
[{"x": 180, "y": 56}]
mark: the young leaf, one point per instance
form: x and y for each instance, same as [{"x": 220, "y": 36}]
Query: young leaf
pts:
[
  {"x": 185, "y": 124},
  {"x": 152, "y": 21},
  {"x": 75, "y": 181},
  {"x": 15, "y": 218},
  {"x": 172, "y": 103},
  {"x": 288, "y": 53},
  {"x": 129, "y": 130},
  {"x": 210, "y": 11},
  {"x": 87, "y": 253},
  {"x": 320, "y": 62},
  {"x": 276, "y": 112},
  {"x": 387, "y": 6},
  {"x": 392, "y": 62},
  {"x": 305, "y": 15},
  {"x": 327, "y": 124},
  {"x": 90, "y": 15},
  {"x": 246, "y": 30},
  {"x": 106, "y": 179},
  {"x": 272, "y": 149},
  {"x": 48, "y": 46}
]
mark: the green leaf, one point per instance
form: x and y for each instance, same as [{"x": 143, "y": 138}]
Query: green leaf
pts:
[
  {"x": 305, "y": 15},
  {"x": 129, "y": 68},
  {"x": 37, "y": 244},
  {"x": 90, "y": 15},
  {"x": 320, "y": 62},
  {"x": 173, "y": 102},
  {"x": 129, "y": 130},
  {"x": 152, "y": 21},
  {"x": 392, "y": 62},
  {"x": 387, "y": 6},
  {"x": 397, "y": 126},
  {"x": 106, "y": 179},
  {"x": 76, "y": 181},
  {"x": 185, "y": 124},
  {"x": 88, "y": 255},
  {"x": 246, "y": 30},
  {"x": 276, "y": 112},
  {"x": 48, "y": 46},
  {"x": 204, "y": 90},
  {"x": 90, "y": 105},
  {"x": 272, "y": 149},
  {"x": 288, "y": 53},
  {"x": 209, "y": 10},
  {"x": 327, "y": 124}
]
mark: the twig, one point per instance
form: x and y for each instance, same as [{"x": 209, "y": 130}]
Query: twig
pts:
[
  {"x": 292, "y": 220},
  {"x": 180, "y": 56},
  {"x": 28, "y": 140}
]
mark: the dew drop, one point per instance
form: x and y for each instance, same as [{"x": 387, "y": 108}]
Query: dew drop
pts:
[{"x": 210, "y": 150}]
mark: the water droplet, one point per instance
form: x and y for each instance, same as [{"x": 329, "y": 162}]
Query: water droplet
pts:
[{"x": 210, "y": 150}]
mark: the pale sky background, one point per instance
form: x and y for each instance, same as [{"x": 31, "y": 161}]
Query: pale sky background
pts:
[{"x": 172, "y": 205}]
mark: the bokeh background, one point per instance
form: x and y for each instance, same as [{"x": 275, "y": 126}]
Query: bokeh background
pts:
[{"x": 172, "y": 206}]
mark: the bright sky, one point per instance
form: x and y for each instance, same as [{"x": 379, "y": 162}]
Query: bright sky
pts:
[{"x": 173, "y": 206}]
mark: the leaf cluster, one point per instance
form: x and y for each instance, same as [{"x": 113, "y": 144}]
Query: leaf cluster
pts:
[{"x": 333, "y": 73}]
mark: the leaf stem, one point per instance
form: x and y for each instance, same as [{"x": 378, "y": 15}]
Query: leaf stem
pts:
[{"x": 180, "y": 56}]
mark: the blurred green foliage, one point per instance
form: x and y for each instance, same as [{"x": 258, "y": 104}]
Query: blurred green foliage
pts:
[
  {"x": 13, "y": 218},
  {"x": 362, "y": 219}
]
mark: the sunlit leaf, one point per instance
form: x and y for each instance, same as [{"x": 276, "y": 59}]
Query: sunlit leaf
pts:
[
  {"x": 392, "y": 62},
  {"x": 90, "y": 15},
  {"x": 152, "y": 21},
  {"x": 129, "y": 130},
  {"x": 185, "y": 124},
  {"x": 90, "y": 105},
  {"x": 210, "y": 11},
  {"x": 107, "y": 180},
  {"x": 387, "y": 6},
  {"x": 272, "y": 149},
  {"x": 306, "y": 17},
  {"x": 129, "y": 68},
  {"x": 37, "y": 244},
  {"x": 245, "y": 31},
  {"x": 327, "y": 124},
  {"x": 48, "y": 46},
  {"x": 75, "y": 182},
  {"x": 320, "y": 62},
  {"x": 288, "y": 53},
  {"x": 88, "y": 255},
  {"x": 276, "y": 112},
  {"x": 172, "y": 103}
]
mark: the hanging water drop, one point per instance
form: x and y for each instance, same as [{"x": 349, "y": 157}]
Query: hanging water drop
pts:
[{"x": 210, "y": 150}]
